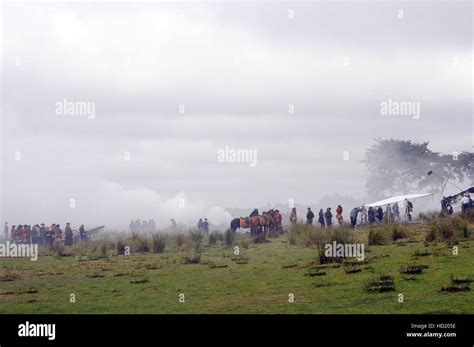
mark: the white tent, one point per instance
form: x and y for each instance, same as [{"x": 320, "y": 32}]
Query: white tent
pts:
[{"x": 397, "y": 199}]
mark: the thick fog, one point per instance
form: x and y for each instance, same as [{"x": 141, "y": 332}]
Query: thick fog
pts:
[{"x": 170, "y": 88}]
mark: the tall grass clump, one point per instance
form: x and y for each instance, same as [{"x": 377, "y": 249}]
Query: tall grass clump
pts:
[
  {"x": 158, "y": 242},
  {"x": 103, "y": 248},
  {"x": 397, "y": 231},
  {"x": 377, "y": 236},
  {"x": 180, "y": 239},
  {"x": 449, "y": 229},
  {"x": 229, "y": 238},
  {"x": 196, "y": 257},
  {"x": 214, "y": 237},
  {"x": 195, "y": 235},
  {"x": 139, "y": 243},
  {"x": 341, "y": 235}
]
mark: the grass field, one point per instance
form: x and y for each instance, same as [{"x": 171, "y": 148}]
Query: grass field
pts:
[{"x": 259, "y": 280}]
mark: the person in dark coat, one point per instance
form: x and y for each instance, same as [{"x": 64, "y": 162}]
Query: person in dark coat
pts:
[
  {"x": 321, "y": 219},
  {"x": 83, "y": 233},
  {"x": 309, "y": 216},
  {"x": 371, "y": 215},
  {"x": 355, "y": 211},
  {"x": 205, "y": 226},
  {"x": 380, "y": 214},
  {"x": 68, "y": 240},
  {"x": 328, "y": 217}
]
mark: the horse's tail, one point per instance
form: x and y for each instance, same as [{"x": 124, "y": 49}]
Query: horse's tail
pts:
[{"x": 234, "y": 224}]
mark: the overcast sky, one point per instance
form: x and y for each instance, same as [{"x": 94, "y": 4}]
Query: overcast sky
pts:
[{"x": 234, "y": 68}]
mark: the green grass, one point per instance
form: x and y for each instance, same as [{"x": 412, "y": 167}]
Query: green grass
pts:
[{"x": 258, "y": 281}]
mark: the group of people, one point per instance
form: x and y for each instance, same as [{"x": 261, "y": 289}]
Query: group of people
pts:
[
  {"x": 371, "y": 215},
  {"x": 43, "y": 235},
  {"x": 142, "y": 226},
  {"x": 203, "y": 226},
  {"x": 391, "y": 213},
  {"x": 447, "y": 208}
]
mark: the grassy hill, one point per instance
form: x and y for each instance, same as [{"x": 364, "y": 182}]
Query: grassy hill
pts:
[{"x": 259, "y": 280}]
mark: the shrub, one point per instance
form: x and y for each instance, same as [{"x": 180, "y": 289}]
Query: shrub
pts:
[
  {"x": 195, "y": 258},
  {"x": 377, "y": 236},
  {"x": 397, "y": 232},
  {"x": 341, "y": 235},
  {"x": 139, "y": 243},
  {"x": 229, "y": 238},
  {"x": 461, "y": 226},
  {"x": 103, "y": 248},
  {"x": 469, "y": 215},
  {"x": 159, "y": 242},
  {"x": 244, "y": 242},
  {"x": 259, "y": 238},
  {"x": 180, "y": 239},
  {"x": 301, "y": 233},
  {"x": 449, "y": 229},
  {"x": 58, "y": 250},
  {"x": 431, "y": 235},
  {"x": 196, "y": 236},
  {"x": 214, "y": 237},
  {"x": 292, "y": 238}
]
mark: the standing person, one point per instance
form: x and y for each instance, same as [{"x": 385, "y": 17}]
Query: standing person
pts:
[
  {"x": 363, "y": 215},
  {"x": 380, "y": 214},
  {"x": 465, "y": 203},
  {"x": 388, "y": 213},
  {"x": 49, "y": 236},
  {"x": 321, "y": 219},
  {"x": 68, "y": 240},
  {"x": 18, "y": 233},
  {"x": 444, "y": 206},
  {"x": 200, "y": 225},
  {"x": 35, "y": 234},
  {"x": 309, "y": 216},
  {"x": 339, "y": 215},
  {"x": 82, "y": 233},
  {"x": 328, "y": 217},
  {"x": 355, "y": 211},
  {"x": 174, "y": 227},
  {"x": 396, "y": 212},
  {"x": 371, "y": 215},
  {"x": 5, "y": 230},
  {"x": 205, "y": 226},
  {"x": 408, "y": 209},
  {"x": 58, "y": 233},
  {"x": 138, "y": 226},
  {"x": 293, "y": 216},
  {"x": 42, "y": 235},
  {"x": 279, "y": 221},
  {"x": 26, "y": 234},
  {"x": 13, "y": 233}
]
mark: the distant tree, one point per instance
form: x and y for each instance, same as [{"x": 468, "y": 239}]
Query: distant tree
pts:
[{"x": 399, "y": 166}]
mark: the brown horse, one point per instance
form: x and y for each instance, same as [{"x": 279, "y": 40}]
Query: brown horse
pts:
[{"x": 256, "y": 224}]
